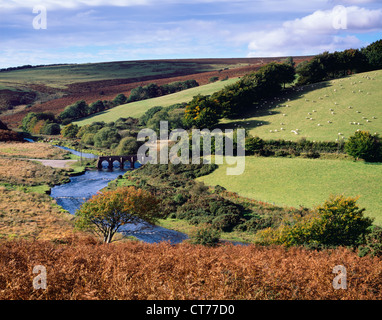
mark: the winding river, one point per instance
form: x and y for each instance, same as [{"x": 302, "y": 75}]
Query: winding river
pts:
[{"x": 71, "y": 195}]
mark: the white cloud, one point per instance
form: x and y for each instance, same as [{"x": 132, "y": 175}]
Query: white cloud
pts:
[
  {"x": 320, "y": 31},
  {"x": 68, "y": 4}
]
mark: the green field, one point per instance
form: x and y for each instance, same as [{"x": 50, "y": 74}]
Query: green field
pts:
[
  {"x": 138, "y": 108},
  {"x": 361, "y": 92},
  {"x": 306, "y": 182},
  {"x": 59, "y": 76}
]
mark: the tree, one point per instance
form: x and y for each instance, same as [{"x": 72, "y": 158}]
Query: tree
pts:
[
  {"x": 127, "y": 145},
  {"x": 202, "y": 113},
  {"x": 107, "y": 138},
  {"x": 120, "y": 99},
  {"x": 97, "y": 106},
  {"x": 77, "y": 110},
  {"x": 70, "y": 130},
  {"x": 254, "y": 145},
  {"x": 373, "y": 53},
  {"x": 106, "y": 212},
  {"x": 363, "y": 145}
]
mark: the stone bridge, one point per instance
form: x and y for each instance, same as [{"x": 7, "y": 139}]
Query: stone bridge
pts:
[{"x": 121, "y": 159}]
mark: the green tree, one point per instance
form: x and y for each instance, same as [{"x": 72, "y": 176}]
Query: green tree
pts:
[
  {"x": 373, "y": 53},
  {"x": 126, "y": 146},
  {"x": 70, "y": 130},
  {"x": 363, "y": 145},
  {"x": 76, "y": 110},
  {"x": 107, "y": 138},
  {"x": 97, "y": 106},
  {"x": 202, "y": 113},
  {"x": 254, "y": 145},
  {"x": 120, "y": 99},
  {"x": 106, "y": 212}
]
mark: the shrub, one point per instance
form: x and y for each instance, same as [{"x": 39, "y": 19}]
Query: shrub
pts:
[
  {"x": 213, "y": 79},
  {"x": 225, "y": 222},
  {"x": 126, "y": 146},
  {"x": 254, "y": 145},
  {"x": 207, "y": 236},
  {"x": 373, "y": 243},
  {"x": 51, "y": 129},
  {"x": 338, "y": 222},
  {"x": 106, "y": 138},
  {"x": 70, "y": 131},
  {"x": 120, "y": 99},
  {"x": 363, "y": 145}
]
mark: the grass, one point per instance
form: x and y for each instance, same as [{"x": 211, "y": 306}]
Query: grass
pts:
[
  {"x": 185, "y": 227},
  {"x": 32, "y": 150},
  {"x": 60, "y": 76},
  {"x": 362, "y": 92},
  {"x": 32, "y": 216},
  {"x": 306, "y": 182},
  {"x": 138, "y": 108}
]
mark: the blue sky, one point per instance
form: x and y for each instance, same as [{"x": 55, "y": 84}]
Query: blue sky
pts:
[{"x": 80, "y": 31}]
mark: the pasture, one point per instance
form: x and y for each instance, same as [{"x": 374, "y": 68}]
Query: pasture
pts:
[
  {"x": 59, "y": 76},
  {"x": 306, "y": 182},
  {"x": 321, "y": 112},
  {"x": 138, "y": 108}
]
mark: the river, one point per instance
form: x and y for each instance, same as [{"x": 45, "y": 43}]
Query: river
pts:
[{"x": 70, "y": 196}]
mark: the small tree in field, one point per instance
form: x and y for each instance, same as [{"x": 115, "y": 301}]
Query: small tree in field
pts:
[
  {"x": 106, "y": 212},
  {"x": 365, "y": 146}
]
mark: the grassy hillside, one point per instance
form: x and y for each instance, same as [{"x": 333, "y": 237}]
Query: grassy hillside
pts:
[
  {"x": 58, "y": 76},
  {"x": 321, "y": 111},
  {"x": 138, "y": 108},
  {"x": 306, "y": 182}
]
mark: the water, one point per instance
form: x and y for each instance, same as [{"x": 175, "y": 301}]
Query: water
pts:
[
  {"x": 72, "y": 195},
  {"x": 78, "y": 153}
]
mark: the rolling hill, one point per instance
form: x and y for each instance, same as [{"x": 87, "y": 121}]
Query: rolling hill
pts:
[
  {"x": 324, "y": 111},
  {"x": 52, "y": 88}
]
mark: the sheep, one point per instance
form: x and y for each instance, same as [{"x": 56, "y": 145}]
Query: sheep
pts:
[
  {"x": 329, "y": 122},
  {"x": 284, "y": 115}
]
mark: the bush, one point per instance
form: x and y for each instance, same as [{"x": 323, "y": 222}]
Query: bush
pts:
[
  {"x": 70, "y": 131},
  {"x": 225, "y": 222},
  {"x": 127, "y": 146},
  {"x": 207, "y": 236},
  {"x": 106, "y": 138},
  {"x": 338, "y": 222},
  {"x": 363, "y": 145},
  {"x": 254, "y": 145},
  {"x": 373, "y": 244},
  {"x": 51, "y": 129}
]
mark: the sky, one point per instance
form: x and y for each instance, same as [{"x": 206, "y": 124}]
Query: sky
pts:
[{"x": 81, "y": 31}]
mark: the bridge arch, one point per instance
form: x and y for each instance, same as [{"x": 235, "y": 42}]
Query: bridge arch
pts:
[{"x": 131, "y": 159}]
